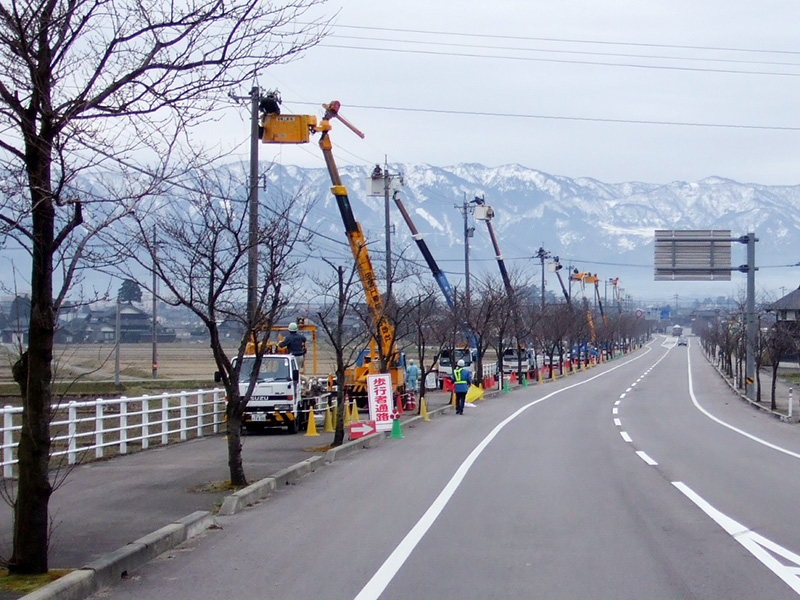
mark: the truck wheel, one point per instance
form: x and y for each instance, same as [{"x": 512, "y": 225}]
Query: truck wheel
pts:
[{"x": 292, "y": 426}]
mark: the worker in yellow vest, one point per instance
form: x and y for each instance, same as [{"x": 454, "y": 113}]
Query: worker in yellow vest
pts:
[{"x": 461, "y": 379}]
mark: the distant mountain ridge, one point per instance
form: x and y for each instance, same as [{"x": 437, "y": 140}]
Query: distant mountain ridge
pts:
[{"x": 601, "y": 227}]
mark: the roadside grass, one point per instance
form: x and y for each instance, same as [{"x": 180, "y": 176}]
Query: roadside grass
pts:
[{"x": 25, "y": 584}]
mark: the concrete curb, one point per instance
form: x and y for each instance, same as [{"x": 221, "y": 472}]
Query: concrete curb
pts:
[{"x": 112, "y": 567}]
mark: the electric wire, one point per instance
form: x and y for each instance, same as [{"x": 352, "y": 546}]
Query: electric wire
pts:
[
  {"x": 593, "y": 63},
  {"x": 557, "y": 51},
  {"x": 478, "y": 113},
  {"x": 569, "y": 40}
]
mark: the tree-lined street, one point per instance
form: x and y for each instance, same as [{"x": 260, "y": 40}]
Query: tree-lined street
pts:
[{"x": 619, "y": 482}]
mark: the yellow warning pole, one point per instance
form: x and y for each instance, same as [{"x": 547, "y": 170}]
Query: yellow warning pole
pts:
[{"x": 423, "y": 410}]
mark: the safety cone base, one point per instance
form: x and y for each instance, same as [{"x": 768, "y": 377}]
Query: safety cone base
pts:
[{"x": 397, "y": 432}]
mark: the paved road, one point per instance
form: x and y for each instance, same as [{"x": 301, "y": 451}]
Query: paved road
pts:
[
  {"x": 101, "y": 506},
  {"x": 621, "y": 482}
]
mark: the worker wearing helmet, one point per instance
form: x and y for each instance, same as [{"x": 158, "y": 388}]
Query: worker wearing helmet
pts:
[
  {"x": 412, "y": 378},
  {"x": 461, "y": 380},
  {"x": 295, "y": 343}
]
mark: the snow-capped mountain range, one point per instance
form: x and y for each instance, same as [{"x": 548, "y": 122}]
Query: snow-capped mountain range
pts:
[{"x": 604, "y": 228}]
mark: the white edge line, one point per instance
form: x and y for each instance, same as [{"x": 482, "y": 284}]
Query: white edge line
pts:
[
  {"x": 756, "y": 544},
  {"x": 384, "y": 575},
  {"x": 731, "y": 427}
]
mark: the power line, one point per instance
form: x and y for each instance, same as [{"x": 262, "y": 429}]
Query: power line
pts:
[
  {"x": 571, "y": 40},
  {"x": 557, "y": 51},
  {"x": 477, "y": 113},
  {"x": 564, "y": 61}
]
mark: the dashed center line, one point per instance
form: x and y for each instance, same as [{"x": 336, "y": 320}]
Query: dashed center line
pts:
[
  {"x": 643, "y": 455},
  {"x": 617, "y": 422},
  {"x": 625, "y": 436}
]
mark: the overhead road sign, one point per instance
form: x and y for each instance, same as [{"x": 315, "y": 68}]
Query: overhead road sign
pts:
[{"x": 693, "y": 255}]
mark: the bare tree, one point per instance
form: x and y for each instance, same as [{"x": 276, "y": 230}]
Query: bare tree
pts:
[
  {"x": 779, "y": 344},
  {"x": 488, "y": 297},
  {"x": 105, "y": 84},
  {"x": 432, "y": 329},
  {"x": 338, "y": 295},
  {"x": 201, "y": 258}
]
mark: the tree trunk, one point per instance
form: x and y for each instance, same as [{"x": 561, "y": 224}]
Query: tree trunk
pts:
[
  {"x": 772, "y": 401},
  {"x": 34, "y": 489},
  {"x": 338, "y": 436},
  {"x": 234, "y": 434}
]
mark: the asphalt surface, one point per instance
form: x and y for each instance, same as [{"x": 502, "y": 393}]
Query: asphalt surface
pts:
[{"x": 102, "y": 506}]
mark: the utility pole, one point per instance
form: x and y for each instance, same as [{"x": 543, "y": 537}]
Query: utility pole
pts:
[
  {"x": 390, "y": 187},
  {"x": 155, "y": 308},
  {"x": 388, "y": 226},
  {"x": 252, "y": 254},
  {"x": 541, "y": 254},
  {"x": 750, "y": 356},
  {"x": 252, "y": 259},
  {"x": 468, "y": 233}
]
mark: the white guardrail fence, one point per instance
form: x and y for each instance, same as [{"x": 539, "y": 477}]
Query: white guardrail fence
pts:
[{"x": 111, "y": 427}]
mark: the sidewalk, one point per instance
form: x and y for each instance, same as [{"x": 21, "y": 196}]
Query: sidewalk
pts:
[
  {"x": 102, "y": 506},
  {"x": 784, "y": 389}
]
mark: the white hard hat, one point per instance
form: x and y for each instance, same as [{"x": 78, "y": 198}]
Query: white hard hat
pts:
[
  {"x": 411, "y": 361},
  {"x": 461, "y": 363},
  {"x": 292, "y": 326}
]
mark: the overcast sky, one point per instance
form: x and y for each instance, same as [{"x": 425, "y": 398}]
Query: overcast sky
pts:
[{"x": 617, "y": 90}]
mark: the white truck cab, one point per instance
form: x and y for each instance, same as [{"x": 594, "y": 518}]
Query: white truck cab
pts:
[{"x": 277, "y": 399}]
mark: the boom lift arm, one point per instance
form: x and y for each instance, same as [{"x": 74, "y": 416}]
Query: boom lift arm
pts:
[
  {"x": 582, "y": 278},
  {"x": 295, "y": 129},
  {"x": 556, "y": 268},
  {"x": 438, "y": 274}
]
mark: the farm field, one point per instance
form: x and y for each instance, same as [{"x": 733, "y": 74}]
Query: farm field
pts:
[{"x": 92, "y": 366}]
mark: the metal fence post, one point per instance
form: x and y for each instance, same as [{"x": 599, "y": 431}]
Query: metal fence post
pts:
[
  {"x": 72, "y": 428},
  {"x": 8, "y": 441},
  {"x": 145, "y": 422},
  {"x": 98, "y": 428},
  {"x": 123, "y": 425},
  {"x": 183, "y": 417},
  {"x": 164, "y": 418},
  {"x": 201, "y": 407}
]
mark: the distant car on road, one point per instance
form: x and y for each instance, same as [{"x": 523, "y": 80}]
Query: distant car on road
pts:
[{"x": 682, "y": 341}]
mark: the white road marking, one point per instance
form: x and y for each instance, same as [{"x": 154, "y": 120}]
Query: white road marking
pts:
[
  {"x": 615, "y": 411},
  {"x": 759, "y": 546},
  {"x": 384, "y": 575},
  {"x": 731, "y": 427},
  {"x": 622, "y": 395},
  {"x": 625, "y": 436},
  {"x": 629, "y": 389},
  {"x": 617, "y": 422},
  {"x": 617, "y": 402},
  {"x": 643, "y": 455}
]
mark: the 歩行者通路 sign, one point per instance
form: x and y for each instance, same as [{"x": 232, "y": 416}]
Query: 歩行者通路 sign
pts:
[{"x": 379, "y": 393}]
